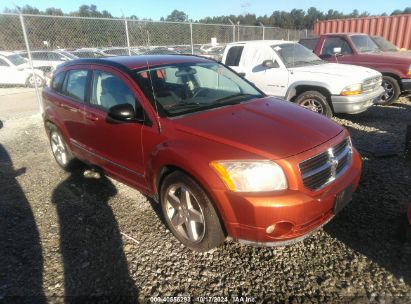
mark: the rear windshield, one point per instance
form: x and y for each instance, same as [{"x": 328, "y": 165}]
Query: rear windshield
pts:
[{"x": 310, "y": 43}]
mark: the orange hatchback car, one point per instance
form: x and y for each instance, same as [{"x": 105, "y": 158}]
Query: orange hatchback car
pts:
[{"x": 220, "y": 157}]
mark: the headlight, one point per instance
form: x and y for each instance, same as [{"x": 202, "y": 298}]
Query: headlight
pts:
[
  {"x": 251, "y": 175},
  {"x": 353, "y": 89},
  {"x": 409, "y": 71}
]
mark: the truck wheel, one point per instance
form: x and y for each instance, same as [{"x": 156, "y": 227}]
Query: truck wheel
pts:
[
  {"x": 189, "y": 213},
  {"x": 60, "y": 150},
  {"x": 314, "y": 101},
  {"x": 392, "y": 91}
]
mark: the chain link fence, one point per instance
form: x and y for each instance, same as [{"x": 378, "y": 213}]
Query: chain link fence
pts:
[
  {"x": 69, "y": 32},
  {"x": 33, "y": 36}
]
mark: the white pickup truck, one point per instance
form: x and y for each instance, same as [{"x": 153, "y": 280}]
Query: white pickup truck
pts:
[{"x": 290, "y": 71}]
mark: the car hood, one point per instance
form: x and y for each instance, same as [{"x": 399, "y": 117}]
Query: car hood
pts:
[
  {"x": 338, "y": 70},
  {"x": 388, "y": 57},
  {"x": 267, "y": 127}
]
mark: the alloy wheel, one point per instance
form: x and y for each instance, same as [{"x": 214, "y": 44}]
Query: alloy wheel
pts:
[
  {"x": 35, "y": 79},
  {"x": 58, "y": 148},
  {"x": 185, "y": 213},
  {"x": 389, "y": 90},
  {"x": 313, "y": 105}
]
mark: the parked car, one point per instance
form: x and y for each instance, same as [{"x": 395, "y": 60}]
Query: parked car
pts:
[
  {"x": 290, "y": 71},
  {"x": 360, "y": 49},
  {"x": 120, "y": 51},
  {"x": 89, "y": 53},
  {"x": 220, "y": 156},
  {"x": 44, "y": 60},
  {"x": 161, "y": 51},
  {"x": 14, "y": 70}
]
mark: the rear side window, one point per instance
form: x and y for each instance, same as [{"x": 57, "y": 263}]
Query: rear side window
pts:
[
  {"x": 57, "y": 82},
  {"x": 75, "y": 84},
  {"x": 234, "y": 56},
  {"x": 336, "y": 42},
  {"x": 309, "y": 43}
]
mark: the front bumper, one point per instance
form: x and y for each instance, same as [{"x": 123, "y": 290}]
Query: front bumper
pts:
[
  {"x": 306, "y": 210},
  {"x": 406, "y": 84},
  {"x": 356, "y": 104}
]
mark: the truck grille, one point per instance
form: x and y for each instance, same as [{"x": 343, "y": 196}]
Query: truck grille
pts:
[
  {"x": 371, "y": 84},
  {"x": 322, "y": 169}
]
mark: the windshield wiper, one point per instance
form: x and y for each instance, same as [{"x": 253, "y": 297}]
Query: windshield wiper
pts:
[
  {"x": 183, "y": 105},
  {"x": 235, "y": 99}
]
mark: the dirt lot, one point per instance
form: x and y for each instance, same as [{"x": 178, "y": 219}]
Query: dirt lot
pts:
[
  {"x": 63, "y": 235},
  {"x": 17, "y": 102}
]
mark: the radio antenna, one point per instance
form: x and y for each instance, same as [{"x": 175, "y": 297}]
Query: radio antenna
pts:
[{"x": 154, "y": 95}]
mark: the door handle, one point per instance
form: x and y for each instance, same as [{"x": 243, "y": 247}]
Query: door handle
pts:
[{"x": 91, "y": 117}]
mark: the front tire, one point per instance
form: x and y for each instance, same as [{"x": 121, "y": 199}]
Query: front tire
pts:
[
  {"x": 392, "y": 91},
  {"x": 314, "y": 101},
  {"x": 189, "y": 213}
]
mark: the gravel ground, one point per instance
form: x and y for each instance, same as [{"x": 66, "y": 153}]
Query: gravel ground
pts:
[{"x": 63, "y": 235}]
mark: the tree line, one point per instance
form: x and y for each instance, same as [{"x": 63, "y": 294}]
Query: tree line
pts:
[{"x": 294, "y": 19}]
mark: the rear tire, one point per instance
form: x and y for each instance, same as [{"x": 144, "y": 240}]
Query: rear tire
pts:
[
  {"x": 314, "y": 101},
  {"x": 60, "y": 149},
  {"x": 30, "y": 82},
  {"x": 392, "y": 91},
  {"x": 189, "y": 213}
]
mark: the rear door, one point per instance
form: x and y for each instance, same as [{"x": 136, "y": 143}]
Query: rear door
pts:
[
  {"x": 68, "y": 95},
  {"x": 115, "y": 147}
]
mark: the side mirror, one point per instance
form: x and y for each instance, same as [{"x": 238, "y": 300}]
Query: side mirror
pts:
[
  {"x": 337, "y": 51},
  {"x": 270, "y": 64},
  {"x": 125, "y": 113}
]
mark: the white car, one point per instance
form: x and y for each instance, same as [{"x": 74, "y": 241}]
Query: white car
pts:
[
  {"x": 47, "y": 59},
  {"x": 15, "y": 70},
  {"x": 290, "y": 71}
]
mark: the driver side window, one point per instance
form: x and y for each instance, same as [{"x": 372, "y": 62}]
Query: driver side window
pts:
[{"x": 108, "y": 91}]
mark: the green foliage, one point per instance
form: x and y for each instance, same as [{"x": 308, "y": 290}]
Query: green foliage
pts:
[{"x": 177, "y": 16}]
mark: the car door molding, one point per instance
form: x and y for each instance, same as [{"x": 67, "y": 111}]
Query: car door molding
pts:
[{"x": 80, "y": 146}]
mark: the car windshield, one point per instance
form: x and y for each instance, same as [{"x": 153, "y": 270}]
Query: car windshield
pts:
[
  {"x": 191, "y": 87},
  {"x": 384, "y": 44},
  {"x": 16, "y": 59},
  {"x": 294, "y": 55},
  {"x": 364, "y": 44}
]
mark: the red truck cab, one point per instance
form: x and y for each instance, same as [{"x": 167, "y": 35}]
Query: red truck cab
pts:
[{"x": 360, "y": 49}]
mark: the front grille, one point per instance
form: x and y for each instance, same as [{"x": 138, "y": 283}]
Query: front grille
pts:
[
  {"x": 371, "y": 84},
  {"x": 322, "y": 169}
]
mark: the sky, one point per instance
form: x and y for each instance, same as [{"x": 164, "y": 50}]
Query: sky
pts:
[{"x": 197, "y": 9}]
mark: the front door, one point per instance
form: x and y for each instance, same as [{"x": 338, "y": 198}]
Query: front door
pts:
[
  {"x": 115, "y": 147},
  {"x": 272, "y": 81},
  {"x": 331, "y": 44}
]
